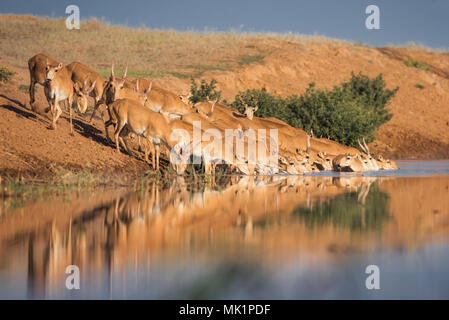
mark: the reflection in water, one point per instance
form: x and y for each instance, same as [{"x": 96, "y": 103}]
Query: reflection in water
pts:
[
  {"x": 264, "y": 237},
  {"x": 357, "y": 211}
]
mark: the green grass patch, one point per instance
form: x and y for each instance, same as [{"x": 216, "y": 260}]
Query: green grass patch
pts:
[
  {"x": 5, "y": 74},
  {"x": 412, "y": 63},
  {"x": 250, "y": 59},
  {"x": 199, "y": 70},
  {"x": 419, "y": 86},
  {"x": 133, "y": 73},
  {"x": 26, "y": 87},
  {"x": 180, "y": 75}
]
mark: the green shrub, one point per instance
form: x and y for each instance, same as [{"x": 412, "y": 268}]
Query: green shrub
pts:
[
  {"x": 5, "y": 74},
  {"x": 269, "y": 105},
  {"x": 353, "y": 110},
  {"x": 206, "y": 91},
  {"x": 412, "y": 63}
]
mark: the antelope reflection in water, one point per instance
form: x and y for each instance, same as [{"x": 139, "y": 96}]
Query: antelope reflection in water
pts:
[{"x": 275, "y": 217}]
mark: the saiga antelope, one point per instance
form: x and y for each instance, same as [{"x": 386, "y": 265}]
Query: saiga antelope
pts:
[
  {"x": 59, "y": 87},
  {"x": 114, "y": 89},
  {"x": 92, "y": 82},
  {"x": 372, "y": 163},
  {"x": 38, "y": 73},
  {"x": 160, "y": 100},
  {"x": 144, "y": 122}
]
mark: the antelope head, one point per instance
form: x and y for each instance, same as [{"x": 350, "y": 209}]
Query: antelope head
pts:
[
  {"x": 81, "y": 94},
  {"x": 249, "y": 111},
  {"x": 372, "y": 163},
  {"x": 147, "y": 90},
  {"x": 323, "y": 162},
  {"x": 185, "y": 98},
  {"x": 392, "y": 165},
  {"x": 289, "y": 164},
  {"x": 178, "y": 160},
  {"x": 386, "y": 164},
  {"x": 144, "y": 96},
  {"x": 304, "y": 166},
  {"x": 359, "y": 164},
  {"x": 342, "y": 162},
  {"x": 115, "y": 85},
  {"x": 303, "y": 161},
  {"x": 51, "y": 71},
  {"x": 205, "y": 109}
]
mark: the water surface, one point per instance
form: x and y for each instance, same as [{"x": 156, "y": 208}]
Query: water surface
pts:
[{"x": 240, "y": 237}]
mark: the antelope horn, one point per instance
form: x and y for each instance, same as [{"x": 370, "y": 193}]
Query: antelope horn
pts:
[
  {"x": 311, "y": 132},
  {"x": 366, "y": 146},
  {"x": 308, "y": 144},
  {"x": 92, "y": 86},
  {"x": 361, "y": 147},
  {"x": 126, "y": 71},
  {"x": 149, "y": 88},
  {"x": 112, "y": 70},
  {"x": 211, "y": 109},
  {"x": 137, "y": 85}
]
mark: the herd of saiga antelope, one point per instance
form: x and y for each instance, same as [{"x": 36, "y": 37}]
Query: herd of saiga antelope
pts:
[{"x": 135, "y": 106}]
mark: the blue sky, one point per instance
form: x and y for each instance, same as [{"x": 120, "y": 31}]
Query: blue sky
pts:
[{"x": 401, "y": 21}]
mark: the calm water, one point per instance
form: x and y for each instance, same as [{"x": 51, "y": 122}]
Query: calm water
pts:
[{"x": 279, "y": 237}]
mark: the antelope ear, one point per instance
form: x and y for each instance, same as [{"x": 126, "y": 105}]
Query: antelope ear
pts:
[
  {"x": 256, "y": 108},
  {"x": 60, "y": 65}
]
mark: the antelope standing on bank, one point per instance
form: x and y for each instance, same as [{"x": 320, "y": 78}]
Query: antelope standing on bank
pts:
[
  {"x": 60, "y": 87},
  {"x": 146, "y": 123},
  {"x": 91, "y": 82},
  {"x": 37, "y": 65}
]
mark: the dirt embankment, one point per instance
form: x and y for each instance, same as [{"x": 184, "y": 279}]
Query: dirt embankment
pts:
[
  {"x": 419, "y": 127},
  {"x": 29, "y": 148}
]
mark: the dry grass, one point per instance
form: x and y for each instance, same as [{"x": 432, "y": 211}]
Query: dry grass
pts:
[{"x": 149, "y": 53}]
